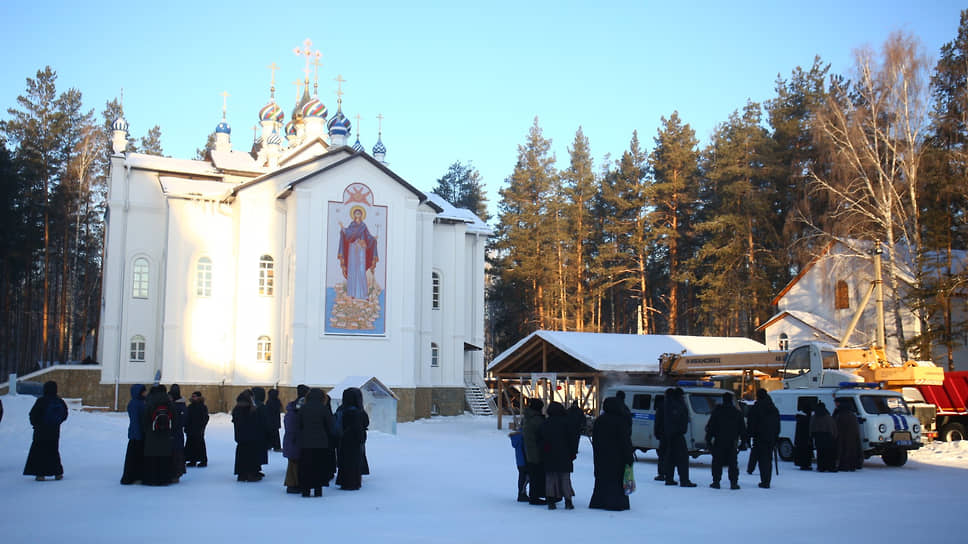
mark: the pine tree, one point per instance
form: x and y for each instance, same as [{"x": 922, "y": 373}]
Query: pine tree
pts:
[
  {"x": 151, "y": 142},
  {"x": 673, "y": 198},
  {"x": 579, "y": 186},
  {"x": 201, "y": 154},
  {"x": 461, "y": 186}
]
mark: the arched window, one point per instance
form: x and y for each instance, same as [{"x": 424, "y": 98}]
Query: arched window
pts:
[
  {"x": 841, "y": 297},
  {"x": 435, "y": 297},
  {"x": 263, "y": 349},
  {"x": 784, "y": 342},
  {"x": 434, "y": 355},
  {"x": 266, "y": 275},
  {"x": 203, "y": 277},
  {"x": 139, "y": 278},
  {"x": 137, "y": 349}
]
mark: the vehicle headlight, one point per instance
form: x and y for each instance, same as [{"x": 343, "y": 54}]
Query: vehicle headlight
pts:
[
  {"x": 916, "y": 428},
  {"x": 882, "y": 428}
]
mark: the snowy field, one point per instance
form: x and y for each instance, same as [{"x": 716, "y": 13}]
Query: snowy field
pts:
[{"x": 452, "y": 479}]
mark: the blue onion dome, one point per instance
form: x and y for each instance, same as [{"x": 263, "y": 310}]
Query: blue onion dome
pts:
[
  {"x": 339, "y": 124},
  {"x": 358, "y": 146},
  {"x": 120, "y": 124},
  {"x": 290, "y": 128},
  {"x": 271, "y": 112},
  {"x": 274, "y": 139},
  {"x": 223, "y": 128},
  {"x": 379, "y": 147},
  {"x": 314, "y": 108}
]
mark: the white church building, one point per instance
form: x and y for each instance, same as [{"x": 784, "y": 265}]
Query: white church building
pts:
[{"x": 301, "y": 261}]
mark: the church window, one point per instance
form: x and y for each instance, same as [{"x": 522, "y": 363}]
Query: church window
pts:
[
  {"x": 434, "y": 355},
  {"x": 263, "y": 349},
  {"x": 139, "y": 278},
  {"x": 784, "y": 342},
  {"x": 266, "y": 275},
  {"x": 137, "y": 349},
  {"x": 435, "y": 280},
  {"x": 842, "y": 297},
  {"x": 203, "y": 277}
]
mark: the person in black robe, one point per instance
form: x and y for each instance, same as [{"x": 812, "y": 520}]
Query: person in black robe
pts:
[
  {"x": 724, "y": 432},
  {"x": 850, "y": 453},
  {"x": 612, "y": 451},
  {"x": 531, "y": 429},
  {"x": 802, "y": 446},
  {"x": 350, "y": 456},
  {"x": 329, "y": 452},
  {"x": 823, "y": 430},
  {"x": 46, "y": 416},
  {"x": 662, "y": 452},
  {"x": 265, "y": 423},
  {"x": 249, "y": 439},
  {"x": 676, "y": 425},
  {"x": 134, "y": 457},
  {"x": 179, "y": 416},
  {"x": 196, "y": 453},
  {"x": 763, "y": 426},
  {"x": 273, "y": 416},
  {"x": 559, "y": 439},
  {"x": 315, "y": 427},
  {"x": 158, "y": 437}
]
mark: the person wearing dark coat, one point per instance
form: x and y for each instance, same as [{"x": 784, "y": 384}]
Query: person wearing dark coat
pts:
[
  {"x": 134, "y": 457},
  {"x": 559, "y": 446},
  {"x": 265, "y": 422},
  {"x": 612, "y": 451},
  {"x": 626, "y": 411},
  {"x": 290, "y": 441},
  {"x": 802, "y": 447},
  {"x": 315, "y": 427},
  {"x": 157, "y": 424},
  {"x": 662, "y": 452},
  {"x": 196, "y": 453},
  {"x": 249, "y": 439},
  {"x": 179, "y": 415},
  {"x": 350, "y": 457},
  {"x": 763, "y": 427},
  {"x": 274, "y": 416},
  {"x": 675, "y": 426},
  {"x": 531, "y": 427},
  {"x": 823, "y": 430},
  {"x": 46, "y": 416},
  {"x": 725, "y": 431},
  {"x": 850, "y": 452},
  {"x": 333, "y": 438},
  {"x": 577, "y": 417}
]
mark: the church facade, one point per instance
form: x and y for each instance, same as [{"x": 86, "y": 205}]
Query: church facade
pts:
[{"x": 301, "y": 261}]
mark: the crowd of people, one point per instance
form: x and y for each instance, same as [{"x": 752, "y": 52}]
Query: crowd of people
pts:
[
  {"x": 545, "y": 447},
  {"x": 166, "y": 436}
]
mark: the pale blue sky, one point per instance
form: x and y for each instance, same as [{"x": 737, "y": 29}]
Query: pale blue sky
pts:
[{"x": 453, "y": 80}]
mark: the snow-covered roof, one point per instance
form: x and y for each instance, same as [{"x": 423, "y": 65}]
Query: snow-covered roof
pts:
[
  {"x": 606, "y": 352},
  {"x": 452, "y": 213},
  {"x": 193, "y": 188},
  {"x": 235, "y": 160},
  {"x": 361, "y": 382},
  {"x": 168, "y": 164},
  {"x": 810, "y": 319}
]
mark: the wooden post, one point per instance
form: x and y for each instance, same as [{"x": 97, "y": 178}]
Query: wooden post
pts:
[{"x": 500, "y": 401}]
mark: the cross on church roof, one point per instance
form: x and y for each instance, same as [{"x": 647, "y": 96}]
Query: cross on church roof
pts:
[
  {"x": 307, "y": 52},
  {"x": 272, "y": 84},
  {"x": 225, "y": 95}
]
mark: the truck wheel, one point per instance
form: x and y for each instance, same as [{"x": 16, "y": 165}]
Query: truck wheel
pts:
[
  {"x": 952, "y": 432},
  {"x": 785, "y": 448},
  {"x": 895, "y": 457}
]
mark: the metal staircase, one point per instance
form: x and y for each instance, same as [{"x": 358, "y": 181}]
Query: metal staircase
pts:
[{"x": 479, "y": 400}]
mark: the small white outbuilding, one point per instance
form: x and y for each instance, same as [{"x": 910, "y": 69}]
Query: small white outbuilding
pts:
[{"x": 379, "y": 401}]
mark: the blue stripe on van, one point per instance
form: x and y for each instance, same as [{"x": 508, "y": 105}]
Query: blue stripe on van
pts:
[
  {"x": 647, "y": 417},
  {"x": 788, "y": 417},
  {"x": 897, "y": 425}
]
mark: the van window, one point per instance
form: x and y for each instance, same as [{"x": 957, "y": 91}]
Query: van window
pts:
[
  {"x": 878, "y": 404},
  {"x": 704, "y": 404},
  {"x": 806, "y": 403},
  {"x": 641, "y": 402},
  {"x": 798, "y": 362},
  {"x": 849, "y": 401},
  {"x": 830, "y": 360}
]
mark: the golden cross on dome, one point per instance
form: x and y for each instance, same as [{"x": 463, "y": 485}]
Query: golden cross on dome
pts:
[
  {"x": 122, "y": 102},
  {"x": 339, "y": 85},
  {"x": 272, "y": 85},
  {"x": 379, "y": 118},
  {"x": 307, "y": 52},
  {"x": 298, "y": 83},
  {"x": 316, "y": 65},
  {"x": 225, "y": 95}
]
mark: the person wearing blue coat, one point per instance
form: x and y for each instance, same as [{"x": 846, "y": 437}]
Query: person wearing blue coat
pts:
[
  {"x": 134, "y": 457},
  {"x": 517, "y": 442},
  {"x": 46, "y": 417}
]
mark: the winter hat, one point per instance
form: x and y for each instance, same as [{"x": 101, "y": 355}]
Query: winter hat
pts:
[
  {"x": 259, "y": 394},
  {"x": 727, "y": 398},
  {"x": 50, "y": 388},
  {"x": 175, "y": 391},
  {"x": 301, "y": 390}
]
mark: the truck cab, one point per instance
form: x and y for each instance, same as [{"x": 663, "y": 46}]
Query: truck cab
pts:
[
  {"x": 642, "y": 401},
  {"x": 887, "y": 427}
]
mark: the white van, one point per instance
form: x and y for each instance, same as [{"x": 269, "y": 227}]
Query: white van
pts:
[
  {"x": 642, "y": 399},
  {"x": 887, "y": 427}
]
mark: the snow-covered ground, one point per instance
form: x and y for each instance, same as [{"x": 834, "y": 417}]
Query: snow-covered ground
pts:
[{"x": 453, "y": 480}]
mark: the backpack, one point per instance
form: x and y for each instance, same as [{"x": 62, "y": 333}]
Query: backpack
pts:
[
  {"x": 161, "y": 418},
  {"x": 54, "y": 414}
]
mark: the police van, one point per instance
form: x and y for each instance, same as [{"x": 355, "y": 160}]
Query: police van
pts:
[
  {"x": 642, "y": 400},
  {"x": 887, "y": 427}
]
